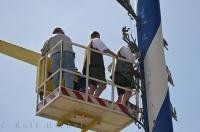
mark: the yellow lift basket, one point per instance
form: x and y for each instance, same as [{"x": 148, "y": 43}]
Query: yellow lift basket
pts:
[{"x": 71, "y": 107}]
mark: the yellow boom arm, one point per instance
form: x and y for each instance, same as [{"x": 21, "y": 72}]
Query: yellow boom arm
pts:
[
  {"x": 30, "y": 57},
  {"x": 19, "y": 53}
]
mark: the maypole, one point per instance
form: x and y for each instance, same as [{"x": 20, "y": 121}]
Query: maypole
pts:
[{"x": 155, "y": 95}]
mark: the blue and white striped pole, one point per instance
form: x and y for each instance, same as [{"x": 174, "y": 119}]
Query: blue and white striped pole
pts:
[{"x": 156, "y": 101}]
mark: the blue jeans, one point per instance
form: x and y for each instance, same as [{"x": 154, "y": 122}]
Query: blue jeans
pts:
[{"x": 67, "y": 63}]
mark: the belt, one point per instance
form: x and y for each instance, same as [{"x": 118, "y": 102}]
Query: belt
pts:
[{"x": 59, "y": 52}]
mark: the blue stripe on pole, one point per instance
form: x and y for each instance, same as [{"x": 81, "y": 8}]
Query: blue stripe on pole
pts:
[
  {"x": 164, "y": 121},
  {"x": 149, "y": 22},
  {"x": 144, "y": 99}
]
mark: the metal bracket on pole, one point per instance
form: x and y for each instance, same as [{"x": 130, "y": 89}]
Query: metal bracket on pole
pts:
[{"x": 133, "y": 46}]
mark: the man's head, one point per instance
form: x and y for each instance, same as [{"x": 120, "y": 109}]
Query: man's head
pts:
[
  {"x": 58, "y": 30},
  {"x": 94, "y": 34}
]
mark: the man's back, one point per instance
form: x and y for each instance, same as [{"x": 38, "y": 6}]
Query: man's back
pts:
[
  {"x": 66, "y": 58},
  {"x": 66, "y": 41},
  {"x": 54, "y": 40}
]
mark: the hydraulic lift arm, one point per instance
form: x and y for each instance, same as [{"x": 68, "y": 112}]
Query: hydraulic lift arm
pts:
[
  {"x": 27, "y": 56},
  {"x": 19, "y": 53}
]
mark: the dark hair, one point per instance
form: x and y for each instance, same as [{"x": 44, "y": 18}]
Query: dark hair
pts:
[
  {"x": 94, "y": 34},
  {"x": 58, "y": 30}
]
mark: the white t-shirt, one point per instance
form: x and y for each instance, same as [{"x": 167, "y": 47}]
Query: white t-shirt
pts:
[
  {"x": 125, "y": 51},
  {"x": 98, "y": 44}
]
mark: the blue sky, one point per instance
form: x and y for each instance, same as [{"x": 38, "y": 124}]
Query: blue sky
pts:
[{"x": 28, "y": 23}]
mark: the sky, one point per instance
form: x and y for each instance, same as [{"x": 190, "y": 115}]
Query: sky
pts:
[{"x": 28, "y": 23}]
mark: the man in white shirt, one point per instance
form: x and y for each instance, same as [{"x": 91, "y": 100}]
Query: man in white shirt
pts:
[
  {"x": 68, "y": 56},
  {"x": 96, "y": 67},
  {"x": 124, "y": 72}
]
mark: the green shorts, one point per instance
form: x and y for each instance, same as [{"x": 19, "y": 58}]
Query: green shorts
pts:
[
  {"x": 124, "y": 80},
  {"x": 98, "y": 73}
]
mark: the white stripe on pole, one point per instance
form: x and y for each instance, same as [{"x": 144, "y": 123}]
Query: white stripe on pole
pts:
[{"x": 156, "y": 77}]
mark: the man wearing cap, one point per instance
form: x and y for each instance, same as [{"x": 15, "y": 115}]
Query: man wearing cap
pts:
[
  {"x": 96, "y": 66},
  {"x": 68, "y": 56}
]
